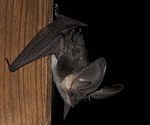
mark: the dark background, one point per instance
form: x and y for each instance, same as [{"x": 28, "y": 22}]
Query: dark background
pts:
[{"x": 111, "y": 34}]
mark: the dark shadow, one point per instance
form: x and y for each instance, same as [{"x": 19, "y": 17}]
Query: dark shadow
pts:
[{"x": 57, "y": 107}]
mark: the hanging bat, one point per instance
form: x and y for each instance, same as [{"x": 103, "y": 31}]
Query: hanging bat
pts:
[{"x": 75, "y": 78}]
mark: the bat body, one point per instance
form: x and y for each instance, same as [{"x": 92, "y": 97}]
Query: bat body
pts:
[{"x": 74, "y": 77}]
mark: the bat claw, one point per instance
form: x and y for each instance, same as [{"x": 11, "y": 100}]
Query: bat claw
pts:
[
  {"x": 56, "y": 7},
  {"x": 9, "y": 66},
  {"x": 7, "y": 61}
]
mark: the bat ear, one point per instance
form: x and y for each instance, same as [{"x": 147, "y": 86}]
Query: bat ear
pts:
[
  {"x": 94, "y": 72},
  {"x": 106, "y": 91},
  {"x": 90, "y": 77}
]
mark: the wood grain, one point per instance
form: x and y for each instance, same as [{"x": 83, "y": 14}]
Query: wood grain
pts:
[{"x": 25, "y": 95}]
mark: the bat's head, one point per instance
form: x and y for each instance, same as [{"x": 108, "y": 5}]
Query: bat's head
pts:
[
  {"x": 85, "y": 84},
  {"x": 71, "y": 96},
  {"x": 78, "y": 85}
]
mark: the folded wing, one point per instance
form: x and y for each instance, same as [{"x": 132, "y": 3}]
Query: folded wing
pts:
[{"x": 46, "y": 42}]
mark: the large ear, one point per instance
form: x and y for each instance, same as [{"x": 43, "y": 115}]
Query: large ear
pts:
[
  {"x": 46, "y": 42},
  {"x": 90, "y": 77},
  {"x": 106, "y": 91}
]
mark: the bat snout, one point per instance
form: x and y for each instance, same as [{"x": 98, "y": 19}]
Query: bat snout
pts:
[{"x": 72, "y": 97}]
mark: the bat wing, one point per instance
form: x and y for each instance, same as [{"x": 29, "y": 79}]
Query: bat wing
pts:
[
  {"x": 107, "y": 91},
  {"x": 47, "y": 41}
]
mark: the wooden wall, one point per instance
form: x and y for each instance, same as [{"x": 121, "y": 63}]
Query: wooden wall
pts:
[{"x": 25, "y": 95}]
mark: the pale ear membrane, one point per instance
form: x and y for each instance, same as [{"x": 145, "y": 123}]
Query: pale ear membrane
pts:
[
  {"x": 106, "y": 91},
  {"x": 94, "y": 71},
  {"x": 90, "y": 77}
]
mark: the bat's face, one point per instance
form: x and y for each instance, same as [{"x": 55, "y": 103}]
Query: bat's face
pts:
[
  {"x": 77, "y": 86},
  {"x": 76, "y": 89},
  {"x": 85, "y": 84},
  {"x": 69, "y": 86}
]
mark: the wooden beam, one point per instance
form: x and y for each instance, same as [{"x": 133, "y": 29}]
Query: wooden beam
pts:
[{"x": 25, "y": 95}]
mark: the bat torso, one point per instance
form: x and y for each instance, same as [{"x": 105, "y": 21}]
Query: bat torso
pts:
[{"x": 71, "y": 60}]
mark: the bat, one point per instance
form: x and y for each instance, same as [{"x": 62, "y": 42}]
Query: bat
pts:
[{"x": 75, "y": 78}]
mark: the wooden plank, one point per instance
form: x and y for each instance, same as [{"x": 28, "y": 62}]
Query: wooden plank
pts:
[{"x": 25, "y": 95}]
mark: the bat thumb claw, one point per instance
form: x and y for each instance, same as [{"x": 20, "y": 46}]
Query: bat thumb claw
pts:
[
  {"x": 9, "y": 66},
  {"x": 56, "y": 7}
]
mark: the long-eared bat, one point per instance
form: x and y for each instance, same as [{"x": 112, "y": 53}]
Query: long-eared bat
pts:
[{"x": 75, "y": 78}]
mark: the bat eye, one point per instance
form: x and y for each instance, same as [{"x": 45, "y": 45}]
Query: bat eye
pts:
[{"x": 71, "y": 94}]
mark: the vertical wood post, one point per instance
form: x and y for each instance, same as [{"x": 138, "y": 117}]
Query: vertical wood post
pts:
[{"x": 25, "y": 95}]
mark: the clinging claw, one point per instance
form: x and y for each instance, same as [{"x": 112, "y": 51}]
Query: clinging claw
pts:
[{"x": 56, "y": 9}]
